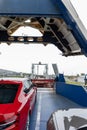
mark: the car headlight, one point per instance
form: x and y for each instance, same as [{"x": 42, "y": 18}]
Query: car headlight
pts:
[{"x": 7, "y": 124}]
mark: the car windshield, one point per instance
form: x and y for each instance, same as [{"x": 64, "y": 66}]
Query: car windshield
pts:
[
  {"x": 84, "y": 128},
  {"x": 76, "y": 122},
  {"x": 8, "y": 93}
]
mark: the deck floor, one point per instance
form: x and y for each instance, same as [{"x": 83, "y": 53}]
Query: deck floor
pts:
[{"x": 48, "y": 102}]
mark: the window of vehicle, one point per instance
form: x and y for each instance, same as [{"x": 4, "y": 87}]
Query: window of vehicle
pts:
[
  {"x": 84, "y": 128},
  {"x": 50, "y": 124},
  {"x": 8, "y": 93}
]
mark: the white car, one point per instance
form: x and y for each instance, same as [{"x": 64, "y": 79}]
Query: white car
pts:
[{"x": 71, "y": 119}]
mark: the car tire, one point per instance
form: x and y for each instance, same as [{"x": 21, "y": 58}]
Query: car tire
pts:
[{"x": 28, "y": 122}]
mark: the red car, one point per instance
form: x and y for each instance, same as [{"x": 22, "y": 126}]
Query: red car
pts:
[{"x": 17, "y": 99}]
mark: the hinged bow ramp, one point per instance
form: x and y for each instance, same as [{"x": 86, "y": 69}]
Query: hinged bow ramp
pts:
[{"x": 57, "y": 21}]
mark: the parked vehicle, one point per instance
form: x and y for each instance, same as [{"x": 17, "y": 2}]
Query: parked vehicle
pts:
[
  {"x": 17, "y": 100},
  {"x": 72, "y": 119}
]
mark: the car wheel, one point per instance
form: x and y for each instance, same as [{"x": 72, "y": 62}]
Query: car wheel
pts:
[{"x": 28, "y": 122}]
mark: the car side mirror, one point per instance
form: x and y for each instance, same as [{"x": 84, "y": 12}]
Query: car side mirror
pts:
[{"x": 26, "y": 91}]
